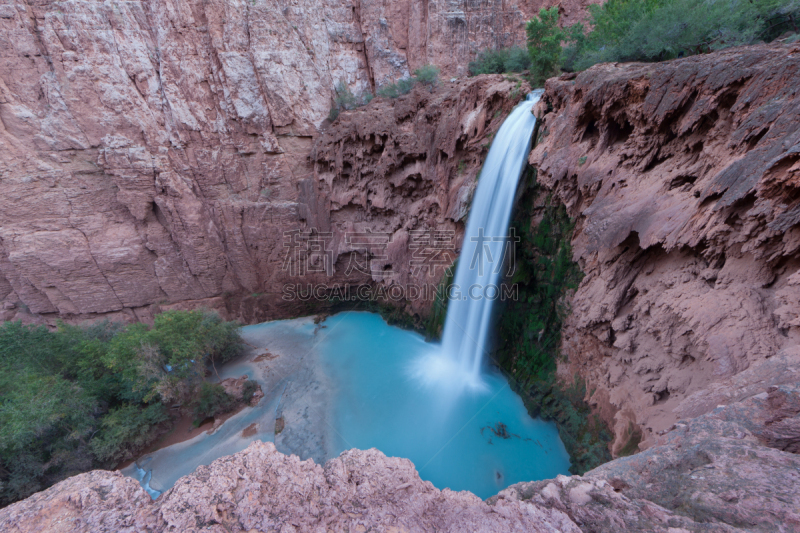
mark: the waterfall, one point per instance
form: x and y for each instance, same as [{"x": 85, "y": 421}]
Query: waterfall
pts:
[{"x": 485, "y": 244}]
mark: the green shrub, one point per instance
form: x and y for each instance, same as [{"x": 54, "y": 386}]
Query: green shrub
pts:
[
  {"x": 404, "y": 85},
  {"x": 333, "y": 114},
  {"x": 656, "y": 30},
  {"x": 211, "y": 401},
  {"x": 489, "y": 61},
  {"x": 345, "y": 100},
  {"x": 494, "y": 61},
  {"x": 388, "y": 91},
  {"x": 249, "y": 389},
  {"x": 126, "y": 429},
  {"x": 427, "y": 75},
  {"x": 81, "y": 398},
  {"x": 517, "y": 59},
  {"x": 399, "y": 88}
]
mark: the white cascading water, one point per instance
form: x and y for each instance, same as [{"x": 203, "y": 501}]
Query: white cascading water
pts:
[{"x": 467, "y": 323}]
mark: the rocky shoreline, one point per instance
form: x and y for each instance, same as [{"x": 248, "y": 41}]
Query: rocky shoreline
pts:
[{"x": 729, "y": 470}]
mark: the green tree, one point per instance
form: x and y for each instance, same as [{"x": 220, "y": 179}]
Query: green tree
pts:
[
  {"x": 500, "y": 61},
  {"x": 125, "y": 429},
  {"x": 85, "y": 397},
  {"x": 544, "y": 44}
]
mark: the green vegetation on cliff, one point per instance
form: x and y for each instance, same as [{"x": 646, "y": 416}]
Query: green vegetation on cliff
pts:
[
  {"x": 657, "y": 30},
  {"x": 86, "y": 397},
  {"x": 345, "y": 100},
  {"x": 641, "y": 30},
  {"x": 530, "y": 328},
  {"x": 500, "y": 61}
]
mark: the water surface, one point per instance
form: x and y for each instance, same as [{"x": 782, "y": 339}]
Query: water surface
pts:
[{"x": 463, "y": 439}]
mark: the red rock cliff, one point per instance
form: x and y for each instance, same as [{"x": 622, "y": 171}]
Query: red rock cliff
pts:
[
  {"x": 683, "y": 178},
  {"x": 155, "y": 152}
]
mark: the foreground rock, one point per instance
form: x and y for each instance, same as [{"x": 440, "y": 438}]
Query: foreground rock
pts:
[
  {"x": 260, "y": 489},
  {"x": 682, "y": 177},
  {"x": 729, "y": 470}
]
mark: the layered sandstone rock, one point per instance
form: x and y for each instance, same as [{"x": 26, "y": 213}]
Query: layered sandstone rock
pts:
[
  {"x": 155, "y": 152},
  {"x": 147, "y": 167},
  {"x": 729, "y": 470},
  {"x": 682, "y": 177}
]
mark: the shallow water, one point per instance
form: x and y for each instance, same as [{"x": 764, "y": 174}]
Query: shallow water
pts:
[
  {"x": 353, "y": 382},
  {"x": 159, "y": 470},
  {"x": 380, "y": 401}
]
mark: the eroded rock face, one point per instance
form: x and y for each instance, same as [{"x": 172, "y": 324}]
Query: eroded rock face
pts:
[
  {"x": 155, "y": 154},
  {"x": 682, "y": 177},
  {"x": 721, "y": 472},
  {"x": 408, "y": 169}
]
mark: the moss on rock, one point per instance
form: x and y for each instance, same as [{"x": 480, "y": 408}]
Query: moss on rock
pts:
[{"x": 530, "y": 327}]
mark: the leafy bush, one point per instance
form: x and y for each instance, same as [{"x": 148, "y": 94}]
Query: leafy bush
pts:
[
  {"x": 81, "y": 398},
  {"x": 345, "y": 100},
  {"x": 126, "y": 429},
  {"x": 493, "y": 61},
  {"x": 399, "y": 88},
  {"x": 427, "y": 75},
  {"x": 656, "y": 30},
  {"x": 211, "y": 401},
  {"x": 249, "y": 389}
]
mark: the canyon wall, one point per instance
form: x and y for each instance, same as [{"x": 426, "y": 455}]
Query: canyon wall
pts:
[
  {"x": 683, "y": 181},
  {"x": 155, "y": 152}
]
